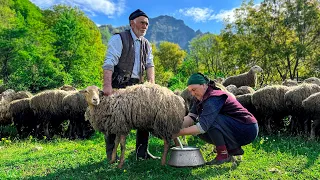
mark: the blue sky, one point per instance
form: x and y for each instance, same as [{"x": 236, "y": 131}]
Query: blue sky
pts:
[{"x": 206, "y": 15}]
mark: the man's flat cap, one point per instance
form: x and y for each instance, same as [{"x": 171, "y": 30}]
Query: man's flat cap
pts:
[{"x": 136, "y": 14}]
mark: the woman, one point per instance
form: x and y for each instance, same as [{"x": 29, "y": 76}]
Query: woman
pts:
[{"x": 219, "y": 119}]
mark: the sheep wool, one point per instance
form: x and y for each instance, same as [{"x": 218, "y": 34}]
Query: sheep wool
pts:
[
  {"x": 48, "y": 108},
  {"x": 313, "y": 80},
  {"x": 144, "y": 106},
  {"x": 311, "y": 107},
  {"x": 270, "y": 105},
  {"x": 22, "y": 116}
]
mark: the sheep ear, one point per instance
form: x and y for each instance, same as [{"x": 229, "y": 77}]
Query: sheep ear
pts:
[
  {"x": 101, "y": 93},
  {"x": 83, "y": 91}
]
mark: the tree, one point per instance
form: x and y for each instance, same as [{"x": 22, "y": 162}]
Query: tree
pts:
[{"x": 170, "y": 55}]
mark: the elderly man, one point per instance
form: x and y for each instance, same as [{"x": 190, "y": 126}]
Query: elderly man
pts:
[{"x": 129, "y": 56}]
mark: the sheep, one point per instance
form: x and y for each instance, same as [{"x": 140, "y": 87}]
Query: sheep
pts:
[
  {"x": 145, "y": 106},
  {"x": 293, "y": 100},
  {"x": 48, "y": 108},
  {"x": 22, "y": 116},
  {"x": 246, "y": 101},
  {"x": 270, "y": 105},
  {"x": 245, "y": 90},
  {"x": 188, "y": 99},
  {"x": 75, "y": 106},
  {"x": 7, "y": 95},
  {"x": 245, "y": 79},
  {"x": 232, "y": 89},
  {"x": 5, "y": 118},
  {"x": 311, "y": 108},
  {"x": 312, "y": 80},
  {"x": 289, "y": 83},
  {"x": 11, "y": 95},
  {"x": 67, "y": 88}
]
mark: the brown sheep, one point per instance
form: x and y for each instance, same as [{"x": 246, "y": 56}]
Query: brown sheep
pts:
[{"x": 245, "y": 79}]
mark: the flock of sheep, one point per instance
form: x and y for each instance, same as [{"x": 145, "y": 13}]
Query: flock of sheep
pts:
[
  {"x": 76, "y": 114},
  {"x": 291, "y": 107},
  {"x": 48, "y": 113}
]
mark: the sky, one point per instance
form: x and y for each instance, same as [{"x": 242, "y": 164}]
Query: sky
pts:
[{"x": 203, "y": 15}]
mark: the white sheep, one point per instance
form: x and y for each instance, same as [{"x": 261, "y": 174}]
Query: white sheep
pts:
[{"x": 146, "y": 106}]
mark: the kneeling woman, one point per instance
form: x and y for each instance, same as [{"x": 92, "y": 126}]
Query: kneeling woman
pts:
[{"x": 219, "y": 119}]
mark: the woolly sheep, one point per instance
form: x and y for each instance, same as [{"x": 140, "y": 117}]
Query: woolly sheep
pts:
[
  {"x": 245, "y": 90},
  {"x": 245, "y": 79},
  {"x": 289, "y": 82},
  {"x": 311, "y": 107},
  {"x": 246, "y": 102},
  {"x": 11, "y": 95},
  {"x": 67, "y": 88},
  {"x": 5, "y": 117},
  {"x": 48, "y": 108},
  {"x": 232, "y": 89},
  {"x": 75, "y": 106},
  {"x": 7, "y": 95},
  {"x": 22, "y": 116},
  {"x": 313, "y": 80},
  {"x": 293, "y": 100},
  {"x": 146, "y": 106},
  {"x": 270, "y": 105}
]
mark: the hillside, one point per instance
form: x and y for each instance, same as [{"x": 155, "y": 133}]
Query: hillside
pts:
[{"x": 162, "y": 28}]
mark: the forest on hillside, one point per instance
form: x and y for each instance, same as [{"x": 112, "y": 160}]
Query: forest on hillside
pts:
[{"x": 44, "y": 49}]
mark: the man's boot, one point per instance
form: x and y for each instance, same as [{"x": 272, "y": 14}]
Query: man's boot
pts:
[
  {"x": 222, "y": 156},
  {"x": 142, "y": 151}
]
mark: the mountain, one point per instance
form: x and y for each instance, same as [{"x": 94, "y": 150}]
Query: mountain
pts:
[{"x": 163, "y": 28}]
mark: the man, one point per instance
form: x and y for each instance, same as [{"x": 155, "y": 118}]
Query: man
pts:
[{"x": 129, "y": 55}]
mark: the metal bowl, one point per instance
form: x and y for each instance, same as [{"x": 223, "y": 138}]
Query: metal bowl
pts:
[{"x": 186, "y": 157}]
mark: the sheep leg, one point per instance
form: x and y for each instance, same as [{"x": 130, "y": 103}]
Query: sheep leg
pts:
[
  {"x": 114, "y": 152},
  {"x": 46, "y": 129},
  {"x": 307, "y": 124},
  {"x": 123, "y": 149},
  {"x": 269, "y": 130},
  {"x": 165, "y": 152},
  {"x": 314, "y": 125}
]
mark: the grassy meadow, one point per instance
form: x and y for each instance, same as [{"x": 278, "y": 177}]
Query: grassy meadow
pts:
[{"x": 268, "y": 157}]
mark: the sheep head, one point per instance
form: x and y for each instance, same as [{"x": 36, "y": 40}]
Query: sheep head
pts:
[
  {"x": 92, "y": 95},
  {"x": 67, "y": 88},
  {"x": 256, "y": 69}
]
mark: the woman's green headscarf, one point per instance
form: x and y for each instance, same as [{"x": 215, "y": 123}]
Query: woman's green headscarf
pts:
[{"x": 197, "y": 78}]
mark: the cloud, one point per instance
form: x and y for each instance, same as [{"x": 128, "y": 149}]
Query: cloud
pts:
[
  {"x": 198, "y": 14},
  {"x": 206, "y": 14},
  {"x": 224, "y": 15},
  {"x": 91, "y": 7}
]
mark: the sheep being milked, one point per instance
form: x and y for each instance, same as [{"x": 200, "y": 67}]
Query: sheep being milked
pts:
[{"x": 145, "y": 106}]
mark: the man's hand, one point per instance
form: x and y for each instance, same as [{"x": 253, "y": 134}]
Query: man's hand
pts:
[
  {"x": 107, "y": 87},
  {"x": 107, "y": 90}
]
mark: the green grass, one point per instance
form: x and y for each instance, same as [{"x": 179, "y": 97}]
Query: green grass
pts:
[{"x": 272, "y": 157}]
